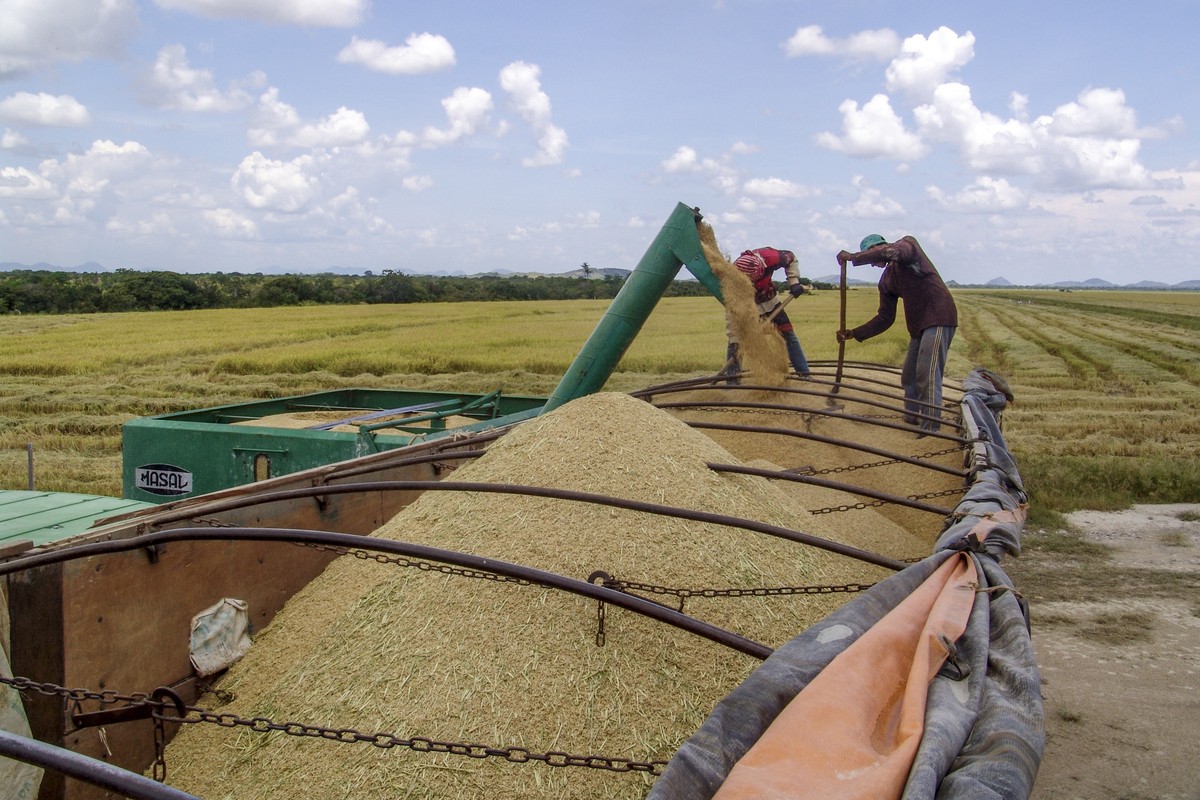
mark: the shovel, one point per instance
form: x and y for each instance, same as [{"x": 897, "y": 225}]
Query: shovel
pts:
[{"x": 837, "y": 380}]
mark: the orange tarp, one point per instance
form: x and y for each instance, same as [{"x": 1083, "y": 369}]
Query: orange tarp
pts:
[{"x": 854, "y": 730}]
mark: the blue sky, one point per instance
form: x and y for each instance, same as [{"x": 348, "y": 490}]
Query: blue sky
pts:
[{"x": 1040, "y": 141}]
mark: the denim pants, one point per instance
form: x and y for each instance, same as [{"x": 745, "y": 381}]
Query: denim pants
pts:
[{"x": 921, "y": 376}]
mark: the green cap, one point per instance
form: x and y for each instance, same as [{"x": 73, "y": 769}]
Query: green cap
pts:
[{"x": 870, "y": 241}]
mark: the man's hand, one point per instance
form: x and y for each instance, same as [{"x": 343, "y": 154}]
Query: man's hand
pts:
[
  {"x": 843, "y": 257},
  {"x": 843, "y": 335},
  {"x": 796, "y": 289}
]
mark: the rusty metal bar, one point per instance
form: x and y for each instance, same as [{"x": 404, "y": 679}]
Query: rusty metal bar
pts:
[
  {"x": 849, "y": 488},
  {"x": 718, "y": 404},
  {"x": 953, "y": 421},
  {"x": 87, "y": 769},
  {"x": 816, "y": 437},
  {"x": 231, "y": 503},
  {"x": 393, "y": 547}
]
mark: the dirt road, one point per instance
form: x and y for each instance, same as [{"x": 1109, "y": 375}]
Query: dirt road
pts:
[{"x": 1115, "y": 607}]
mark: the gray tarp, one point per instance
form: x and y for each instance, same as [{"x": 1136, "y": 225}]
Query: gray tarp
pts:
[{"x": 984, "y": 727}]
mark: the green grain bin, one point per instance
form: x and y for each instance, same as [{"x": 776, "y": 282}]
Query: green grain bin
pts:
[{"x": 174, "y": 456}]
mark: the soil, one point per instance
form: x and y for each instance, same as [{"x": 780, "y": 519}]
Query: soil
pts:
[{"x": 1117, "y": 638}]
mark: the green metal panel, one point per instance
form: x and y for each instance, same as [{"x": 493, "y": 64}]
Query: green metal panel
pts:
[
  {"x": 45, "y": 517},
  {"x": 173, "y": 456}
]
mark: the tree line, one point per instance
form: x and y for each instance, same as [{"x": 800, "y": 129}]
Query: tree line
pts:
[{"x": 54, "y": 292}]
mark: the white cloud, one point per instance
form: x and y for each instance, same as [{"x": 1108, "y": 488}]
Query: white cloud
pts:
[
  {"x": 1084, "y": 144},
  {"x": 878, "y": 45},
  {"x": 776, "y": 188},
  {"x": 276, "y": 123},
  {"x": 343, "y": 127},
  {"x": 984, "y": 195},
  {"x": 37, "y": 33},
  {"x": 19, "y": 182},
  {"x": 1019, "y": 105},
  {"x": 421, "y": 53},
  {"x": 83, "y": 186},
  {"x": 272, "y": 119},
  {"x": 41, "y": 109},
  {"x": 275, "y": 185},
  {"x": 158, "y": 224},
  {"x": 174, "y": 83},
  {"x": 12, "y": 140},
  {"x": 417, "y": 183},
  {"x": 523, "y": 84},
  {"x": 686, "y": 160},
  {"x": 467, "y": 110},
  {"x": 870, "y": 204},
  {"x": 874, "y": 131},
  {"x": 315, "y": 13},
  {"x": 924, "y": 63},
  {"x": 229, "y": 224},
  {"x": 1096, "y": 112}
]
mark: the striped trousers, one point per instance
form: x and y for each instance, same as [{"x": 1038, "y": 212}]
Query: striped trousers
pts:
[{"x": 921, "y": 376}]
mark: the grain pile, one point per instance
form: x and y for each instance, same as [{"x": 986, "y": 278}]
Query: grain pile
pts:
[
  {"x": 302, "y": 420},
  {"x": 763, "y": 353},
  {"x": 382, "y": 648},
  {"x": 904, "y": 532}
]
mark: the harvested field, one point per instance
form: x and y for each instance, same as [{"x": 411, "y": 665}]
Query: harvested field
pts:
[{"x": 418, "y": 653}]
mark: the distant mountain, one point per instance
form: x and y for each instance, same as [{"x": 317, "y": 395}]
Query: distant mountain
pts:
[
  {"x": 1186, "y": 285},
  {"x": 999, "y": 282},
  {"x": 596, "y": 273},
  {"x": 836, "y": 280},
  {"x": 1148, "y": 285},
  {"x": 1090, "y": 283}
]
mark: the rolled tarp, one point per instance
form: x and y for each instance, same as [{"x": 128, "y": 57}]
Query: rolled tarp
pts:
[{"x": 925, "y": 686}]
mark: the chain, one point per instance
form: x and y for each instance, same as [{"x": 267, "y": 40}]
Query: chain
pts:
[
  {"x": 213, "y": 522},
  {"x": 853, "y": 467},
  {"x": 757, "y": 591},
  {"x": 106, "y": 697},
  {"x": 942, "y": 493},
  {"x": 159, "y": 772},
  {"x": 418, "y": 744},
  {"x": 425, "y": 566},
  {"x": 877, "y": 503}
]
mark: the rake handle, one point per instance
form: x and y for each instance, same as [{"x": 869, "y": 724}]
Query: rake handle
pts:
[{"x": 837, "y": 380}]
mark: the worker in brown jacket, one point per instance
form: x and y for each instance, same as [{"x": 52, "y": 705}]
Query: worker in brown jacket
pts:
[{"x": 929, "y": 313}]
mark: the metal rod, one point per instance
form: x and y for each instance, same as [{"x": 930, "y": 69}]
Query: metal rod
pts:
[
  {"x": 393, "y": 547},
  {"x": 816, "y": 437},
  {"x": 800, "y": 410},
  {"x": 87, "y": 769},
  {"x": 842, "y": 487},
  {"x": 898, "y": 410},
  {"x": 231, "y": 503}
]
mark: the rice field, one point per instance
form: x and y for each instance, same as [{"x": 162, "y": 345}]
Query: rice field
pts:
[{"x": 1107, "y": 383}]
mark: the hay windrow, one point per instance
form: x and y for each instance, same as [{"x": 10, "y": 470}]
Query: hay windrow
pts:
[{"x": 416, "y": 653}]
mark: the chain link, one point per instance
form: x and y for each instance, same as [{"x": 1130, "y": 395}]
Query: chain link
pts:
[
  {"x": 424, "y": 566},
  {"x": 163, "y": 712},
  {"x": 757, "y": 591},
  {"x": 877, "y": 503}
]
